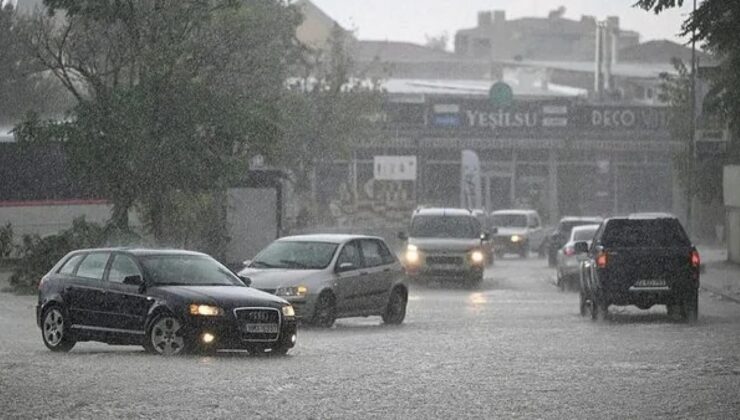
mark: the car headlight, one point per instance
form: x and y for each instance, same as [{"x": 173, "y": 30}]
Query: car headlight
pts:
[
  {"x": 205, "y": 310},
  {"x": 292, "y": 291},
  {"x": 288, "y": 311},
  {"x": 412, "y": 254},
  {"x": 477, "y": 257},
  {"x": 516, "y": 238}
]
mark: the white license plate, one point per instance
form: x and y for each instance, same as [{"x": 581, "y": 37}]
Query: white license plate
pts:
[
  {"x": 261, "y": 328},
  {"x": 651, "y": 283}
]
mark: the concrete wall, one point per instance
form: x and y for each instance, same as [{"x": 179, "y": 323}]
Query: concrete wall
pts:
[{"x": 731, "y": 184}]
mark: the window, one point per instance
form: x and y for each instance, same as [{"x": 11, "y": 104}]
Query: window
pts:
[
  {"x": 386, "y": 254},
  {"x": 122, "y": 267},
  {"x": 371, "y": 252},
  {"x": 350, "y": 254},
  {"x": 69, "y": 267},
  {"x": 93, "y": 266}
]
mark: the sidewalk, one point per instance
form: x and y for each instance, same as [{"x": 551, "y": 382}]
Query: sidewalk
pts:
[{"x": 720, "y": 276}]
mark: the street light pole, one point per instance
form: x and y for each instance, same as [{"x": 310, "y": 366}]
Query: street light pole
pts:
[{"x": 692, "y": 142}]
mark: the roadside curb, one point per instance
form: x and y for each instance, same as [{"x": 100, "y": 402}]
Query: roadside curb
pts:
[{"x": 724, "y": 295}]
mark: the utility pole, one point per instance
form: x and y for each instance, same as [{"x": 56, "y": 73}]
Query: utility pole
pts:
[{"x": 692, "y": 142}]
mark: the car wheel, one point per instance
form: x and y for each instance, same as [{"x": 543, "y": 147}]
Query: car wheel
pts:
[
  {"x": 599, "y": 309},
  {"x": 326, "y": 311},
  {"x": 583, "y": 303},
  {"x": 54, "y": 330},
  {"x": 690, "y": 307},
  {"x": 166, "y": 336},
  {"x": 395, "y": 311}
]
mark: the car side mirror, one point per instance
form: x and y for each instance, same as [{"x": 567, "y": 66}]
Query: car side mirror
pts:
[
  {"x": 403, "y": 236},
  {"x": 246, "y": 280},
  {"x": 345, "y": 266},
  {"x": 581, "y": 247},
  {"x": 485, "y": 236}
]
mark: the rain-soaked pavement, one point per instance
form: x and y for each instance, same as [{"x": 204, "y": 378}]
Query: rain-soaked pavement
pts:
[{"x": 515, "y": 348}]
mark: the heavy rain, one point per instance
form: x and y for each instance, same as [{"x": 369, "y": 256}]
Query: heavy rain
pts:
[{"x": 369, "y": 209}]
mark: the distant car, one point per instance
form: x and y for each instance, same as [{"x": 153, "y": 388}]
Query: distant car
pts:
[
  {"x": 568, "y": 260},
  {"x": 560, "y": 236},
  {"x": 327, "y": 277},
  {"x": 518, "y": 232},
  {"x": 168, "y": 301},
  {"x": 446, "y": 243},
  {"x": 643, "y": 261}
]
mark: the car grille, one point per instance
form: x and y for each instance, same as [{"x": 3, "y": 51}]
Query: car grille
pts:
[
  {"x": 251, "y": 317},
  {"x": 444, "y": 260}
]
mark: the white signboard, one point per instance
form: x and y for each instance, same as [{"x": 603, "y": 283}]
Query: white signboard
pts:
[
  {"x": 731, "y": 183},
  {"x": 395, "y": 168}
]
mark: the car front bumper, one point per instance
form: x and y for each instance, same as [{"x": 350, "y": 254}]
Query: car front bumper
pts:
[{"x": 228, "y": 334}]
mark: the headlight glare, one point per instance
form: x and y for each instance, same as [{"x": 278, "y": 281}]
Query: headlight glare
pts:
[
  {"x": 516, "y": 238},
  {"x": 288, "y": 311},
  {"x": 477, "y": 257},
  {"x": 292, "y": 291},
  {"x": 205, "y": 310},
  {"x": 412, "y": 255}
]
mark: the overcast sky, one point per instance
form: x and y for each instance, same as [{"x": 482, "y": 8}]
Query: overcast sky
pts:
[{"x": 411, "y": 20}]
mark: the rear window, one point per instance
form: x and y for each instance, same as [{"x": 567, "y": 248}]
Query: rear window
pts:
[{"x": 659, "y": 233}]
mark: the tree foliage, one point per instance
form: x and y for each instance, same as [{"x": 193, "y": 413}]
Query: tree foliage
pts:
[
  {"x": 172, "y": 96},
  {"x": 715, "y": 26}
]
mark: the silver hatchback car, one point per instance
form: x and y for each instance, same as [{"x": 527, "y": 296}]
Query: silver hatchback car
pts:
[{"x": 326, "y": 277}]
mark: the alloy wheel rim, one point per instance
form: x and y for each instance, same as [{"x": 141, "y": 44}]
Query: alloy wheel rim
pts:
[
  {"x": 167, "y": 337},
  {"x": 53, "y": 327}
]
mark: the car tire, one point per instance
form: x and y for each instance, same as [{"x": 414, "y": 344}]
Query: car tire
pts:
[
  {"x": 583, "y": 303},
  {"x": 395, "y": 311},
  {"x": 326, "y": 311},
  {"x": 166, "y": 336},
  {"x": 54, "y": 330},
  {"x": 690, "y": 307},
  {"x": 599, "y": 309}
]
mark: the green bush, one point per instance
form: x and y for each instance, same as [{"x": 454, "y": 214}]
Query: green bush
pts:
[{"x": 38, "y": 255}]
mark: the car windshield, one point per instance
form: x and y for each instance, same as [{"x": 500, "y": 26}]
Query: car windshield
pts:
[
  {"x": 583, "y": 234},
  {"x": 509, "y": 220},
  {"x": 187, "y": 270},
  {"x": 296, "y": 255},
  {"x": 660, "y": 233},
  {"x": 458, "y": 227}
]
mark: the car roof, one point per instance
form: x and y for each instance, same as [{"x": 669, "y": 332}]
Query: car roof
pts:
[
  {"x": 581, "y": 219},
  {"x": 521, "y": 212},
  {"x": 143, "y": 251},
  {"x": 651, "y": 215},
  {"x": 333, "y": 238},
  {"x": 443, "y": 212},
  {"x": 585, "y": 227}
]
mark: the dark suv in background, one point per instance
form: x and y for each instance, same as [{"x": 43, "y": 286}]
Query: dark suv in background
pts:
[{"x": 642, "y": 261}]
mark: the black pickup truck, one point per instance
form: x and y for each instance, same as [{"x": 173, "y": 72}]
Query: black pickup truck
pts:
[{"x": 641, "y": 261}]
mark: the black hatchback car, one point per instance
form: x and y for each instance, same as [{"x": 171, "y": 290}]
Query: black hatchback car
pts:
[{"x": 168, "y": 301}]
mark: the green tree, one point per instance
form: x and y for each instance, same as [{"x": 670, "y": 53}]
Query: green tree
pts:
[
  {"x": 714, "y": 25},
  {"x": 172, "y": 96},
  {"x": 330, "y": 108}
]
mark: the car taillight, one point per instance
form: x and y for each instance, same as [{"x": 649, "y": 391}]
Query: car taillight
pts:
[
  {"x": 695, "y": 259},
  {"x": 41, "y": 282},
  {"x": 569, "y": 251},
  {"x": 601, "y": 260}
]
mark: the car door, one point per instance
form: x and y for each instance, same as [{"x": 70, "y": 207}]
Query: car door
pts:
[
  {"x": 536, "y": 233},
  {"x": 349, "y": 272},
  {"x": 127, "y": 305},
  {"x": 84, "y": 292},
  {"x": 377, "y": 282}
]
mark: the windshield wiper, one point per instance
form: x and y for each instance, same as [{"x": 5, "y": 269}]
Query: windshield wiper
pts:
[{"x": 261, "y": 264}]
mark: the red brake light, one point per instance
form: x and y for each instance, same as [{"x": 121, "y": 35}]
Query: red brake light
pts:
[
  {"x": 569, "y": 251},
  {"x": 602, "y": 259},
  {"x": 695, "y": 259}
]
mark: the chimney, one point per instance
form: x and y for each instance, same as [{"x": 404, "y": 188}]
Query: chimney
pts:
[
  {"x": 499, "y": 16},
  {"x": 485, "y": 20}
]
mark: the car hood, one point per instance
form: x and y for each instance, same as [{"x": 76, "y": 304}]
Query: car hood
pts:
[
  {"x": 273, "y": 278},
  {"x": 445, "y": 244},
  {"x": 227, "y": 297},
  {"x": 508, "y": 231}
]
